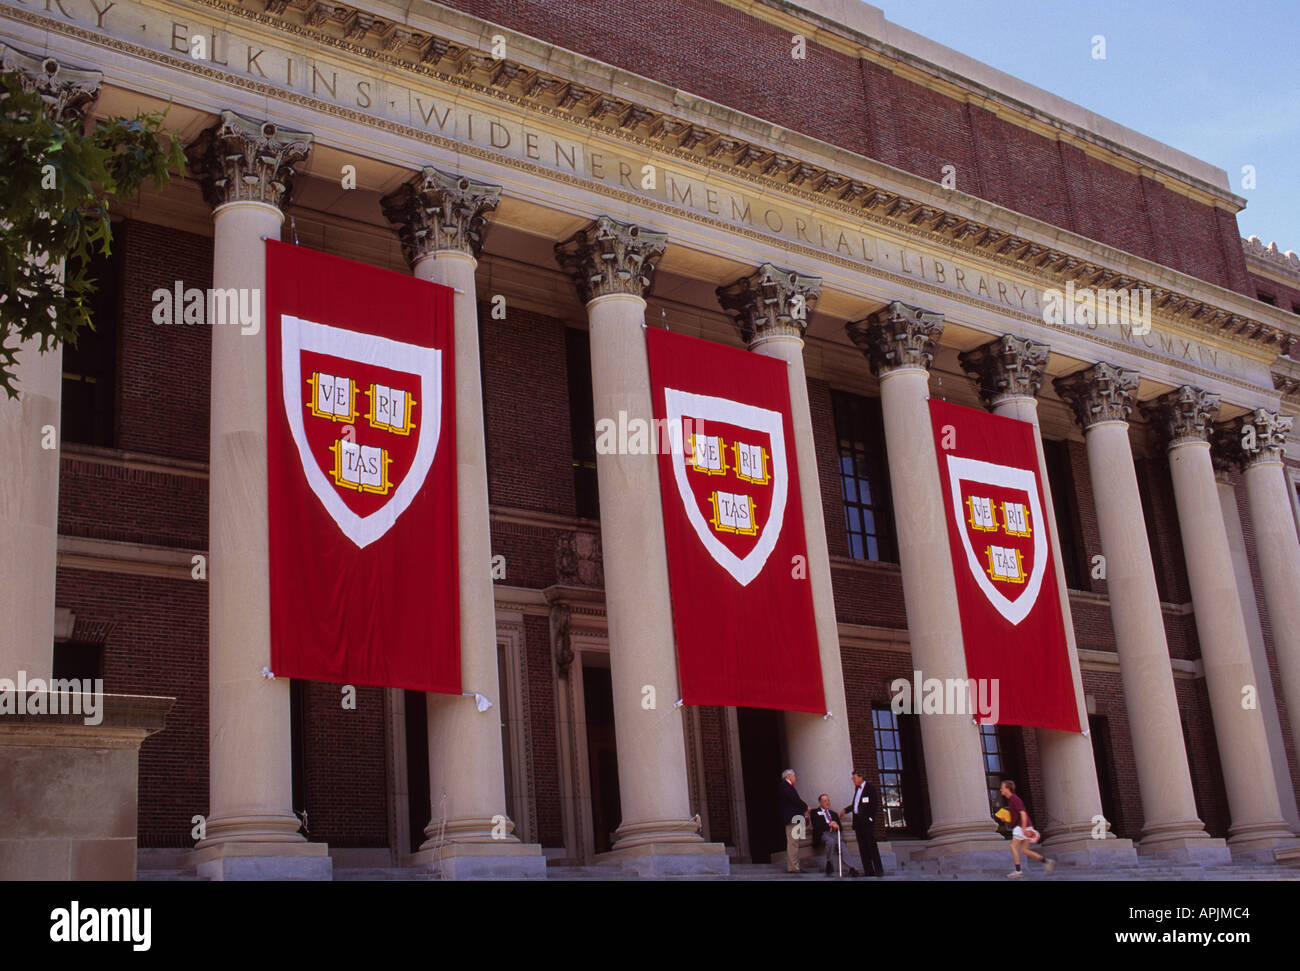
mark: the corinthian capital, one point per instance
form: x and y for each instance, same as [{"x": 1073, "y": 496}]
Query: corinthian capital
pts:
[
  {"x": 241, "y": 160},
  {"x": 1256, "y": 437},
  {"x": 1184, "y": 415},
  {"x": 897, "y": 336},
  {"x": 1100, "y": 393},
  {"x": 436, "y": 211},
  {"x": 611, "y": 257},
  {"x": 1009, "y": 367},
  {"x": 67, "y": 92},
  {"x": 771, "y": 302}
]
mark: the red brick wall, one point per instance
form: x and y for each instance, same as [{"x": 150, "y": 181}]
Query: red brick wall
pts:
[
  {"x": 345, "y": 771},
  {"x": 158, "y": 646},
  {"x": 1288, "y": 298},
  {"x": 164, "y": 370},
  {"x": 725, "y": 55},
  {"x": 526, "y": 412},
  {"x": 111, "y": 502}
]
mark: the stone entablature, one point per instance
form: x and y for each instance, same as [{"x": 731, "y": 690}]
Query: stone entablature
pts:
[{"x": 1193, "y": 305}]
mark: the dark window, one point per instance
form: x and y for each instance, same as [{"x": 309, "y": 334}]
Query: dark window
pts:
[
  {"x": 1099, "y": 732},
  {"x": 73, "y": 659},
  {"x": 298, "y": 750},
  {"x": 582, "y": 423},
  {"x": 889, "y": 762},
  {"x": 994, "y": 769},
  {"x": 1265, "y": 298},
  {"x": 90, "y": 368},
  {"x": 1060, "y": 479},
  {"x": 864, "y": 477}
]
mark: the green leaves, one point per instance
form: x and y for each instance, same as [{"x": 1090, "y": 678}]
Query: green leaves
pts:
[{"x": 56, "y": 187}]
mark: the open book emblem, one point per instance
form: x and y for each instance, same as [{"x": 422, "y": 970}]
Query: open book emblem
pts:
[
  {"x": 365, "y": 413},
  {"x": 1002, "y": 532},
  {"x": 731, "y": 475}
]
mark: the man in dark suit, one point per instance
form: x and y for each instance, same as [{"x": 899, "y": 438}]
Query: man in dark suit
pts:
[
  {"x": 792, "y": 809},
  {"x": 865, "y": 805},
  {"x": 826, "y": 828}
]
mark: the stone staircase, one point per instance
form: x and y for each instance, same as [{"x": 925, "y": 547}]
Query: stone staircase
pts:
[{"x": 928, "y": 870}]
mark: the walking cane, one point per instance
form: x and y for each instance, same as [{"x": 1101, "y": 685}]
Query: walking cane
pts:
[{"x": 839, "y": 841}]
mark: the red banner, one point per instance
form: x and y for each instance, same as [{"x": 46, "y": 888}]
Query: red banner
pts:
[
  {"x": 733, "y": 523},
  {"x": 1002, "y": 562},
  {"x": 361, "y": 474}
]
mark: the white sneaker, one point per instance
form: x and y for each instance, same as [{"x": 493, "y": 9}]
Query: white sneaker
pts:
[{"x": 1014, "y": 875}]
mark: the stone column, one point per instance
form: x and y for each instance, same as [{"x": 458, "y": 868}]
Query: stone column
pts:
[
  {"x": 1009, "y": 374},
  {"x": 899, "y": 341},
  {"x": 440, "y": 218},
  {"x": 245, "y": 168},
  {"x": 613, "y": 265},
  {"x": 1183, "y": 419},
  {"x": 1102, "y": 397},
  {"x": 1258, "y": 441},
  {"x": 30, "y": 433},
  {"x": 1254, "y": 634},
  {"x": 771, "y": 307}
]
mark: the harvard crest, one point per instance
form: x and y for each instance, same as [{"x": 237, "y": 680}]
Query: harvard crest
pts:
[
  {"x": 732, "y": 477},
  {"x": 365, "y": 413}
]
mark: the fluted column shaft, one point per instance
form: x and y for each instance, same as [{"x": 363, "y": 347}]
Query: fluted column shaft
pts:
[
  {"x": 819, "y": 748},
  {"x": 1258, "y": 651},
  {"x": 1103, "y": 398},
  {"x": 439, "y": 217},
  {"x": 245, "y": 168},
  {"x": 1184, "y": 418},
  {"x": 613, "y": 265},
  {"x": 31, "y": 436},
  {"x": 900, "y": 343},
  {"x": 1009, "y": 373},
  {"x": 1276, "y": 547}
]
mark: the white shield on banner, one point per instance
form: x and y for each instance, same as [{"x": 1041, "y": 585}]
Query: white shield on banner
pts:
[
  {"x": 296, "y": 336},
  {"x": 1007, "y": 477},
  {"x": 705, "y": 408}
]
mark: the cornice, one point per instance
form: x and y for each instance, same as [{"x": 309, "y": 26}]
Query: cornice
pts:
[
  {"x": 1271, "y": 262},
  {"x": 914, "y": 212}
]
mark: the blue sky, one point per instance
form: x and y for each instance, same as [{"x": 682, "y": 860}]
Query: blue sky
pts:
[{"x": 1219, "y": 81}]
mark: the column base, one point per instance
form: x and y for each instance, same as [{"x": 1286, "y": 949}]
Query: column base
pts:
[
  {"x": 651, "y": 860},
  {"x": 969, "y": 854},
  {"x": 1260, "y": 847},
  {"x": 262, "y": 861},
  {"x": 1204, "y": 850},
  {"x": 647, "y": 832},
  {"x": 1080, "y": 849},
  {"x": 490, "y": 860}
]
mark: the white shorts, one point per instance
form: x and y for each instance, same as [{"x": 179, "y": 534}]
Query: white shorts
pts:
[{"x": 1018, "y": 834}]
